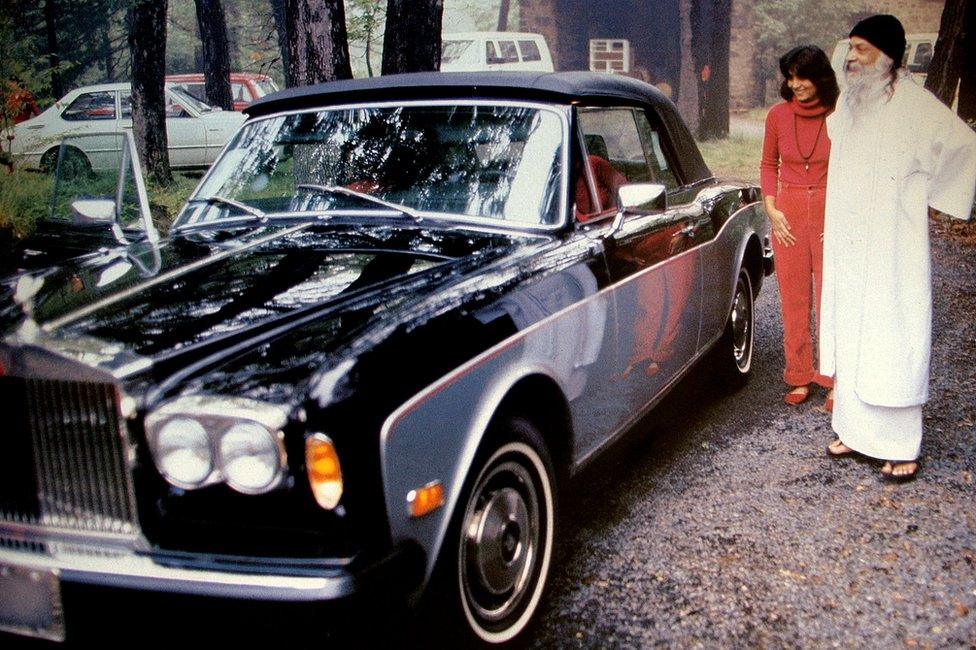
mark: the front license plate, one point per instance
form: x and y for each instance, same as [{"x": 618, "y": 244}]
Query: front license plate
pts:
[{"x": 30, "y": 602}]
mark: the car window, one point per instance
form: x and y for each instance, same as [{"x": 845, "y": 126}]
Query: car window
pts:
[
  {"x": 91, "y": 106},
  {"x": 451, "y": 51},
  {"x": 239, "y": 92},
  {"x": 530, "y": 51},
  {"x": 508, "y": 52},
  {"x": 611, "y": 134},
  {"x": 125, "y": 104},
  {"x": 264, "y": 87},
  {"x": 621, "y": 147},
  {"x": 195, "y": 89},
  {"x": 654, "y": 152},
  {"x": 491, "y": 53},
  {"x": 923, "y": 57}
]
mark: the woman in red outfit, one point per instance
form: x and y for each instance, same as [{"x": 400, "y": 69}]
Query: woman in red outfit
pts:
[{"x": 793, "y": 176}]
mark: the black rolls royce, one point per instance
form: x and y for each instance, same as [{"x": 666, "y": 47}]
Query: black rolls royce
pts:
[{"x": 394, "y": 318}]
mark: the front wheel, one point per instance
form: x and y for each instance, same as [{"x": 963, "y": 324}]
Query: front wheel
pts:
[
  {"x": 74, "y": 163},
  {"x": 496, "y": 557}
]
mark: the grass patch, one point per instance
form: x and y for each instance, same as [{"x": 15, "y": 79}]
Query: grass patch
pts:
[
  {"x": 25, "y": 199},
  {"x": 736, "y": 157}
]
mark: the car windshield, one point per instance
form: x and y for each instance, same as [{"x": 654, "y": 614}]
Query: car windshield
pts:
[
  {"x": 184, "y": 97},
  {"x": 499, "y": 162},
  {"x": 264, "y": 87},
  {"x": 451, "y": 51}
]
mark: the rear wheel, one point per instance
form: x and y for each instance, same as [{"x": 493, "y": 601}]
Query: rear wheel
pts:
[
  {"x": 495, "y": 560},
  {"x": 733, "y": 353}
]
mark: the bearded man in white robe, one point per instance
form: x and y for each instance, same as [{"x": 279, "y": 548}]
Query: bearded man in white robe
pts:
[{"x": 896, "y": 150}]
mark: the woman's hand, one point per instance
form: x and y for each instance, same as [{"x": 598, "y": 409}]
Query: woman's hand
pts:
[{"x": 781, "y": 227}]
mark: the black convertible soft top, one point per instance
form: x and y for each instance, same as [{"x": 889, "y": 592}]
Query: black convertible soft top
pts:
[{"x": 560, "y": 87}]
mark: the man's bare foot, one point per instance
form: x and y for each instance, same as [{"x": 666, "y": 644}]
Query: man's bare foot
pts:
[
  {"x": 829, "y": 402},
  {"x": 900, "y": 470},
  {"x": 838, "y": 448}
]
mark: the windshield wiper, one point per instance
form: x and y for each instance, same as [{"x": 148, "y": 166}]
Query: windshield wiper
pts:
[
  {"x": 251, "y": 215},
  {"x": 244, "y": 207},
  {"x": 345, "y": 191}
]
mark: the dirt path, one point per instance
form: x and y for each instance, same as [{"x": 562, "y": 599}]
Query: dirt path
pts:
[{"x": 725, "y": 525}]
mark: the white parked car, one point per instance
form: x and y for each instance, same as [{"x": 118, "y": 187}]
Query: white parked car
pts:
[
  {"x": 195, "y": 131},
  {"x": 475, "y": 51}
]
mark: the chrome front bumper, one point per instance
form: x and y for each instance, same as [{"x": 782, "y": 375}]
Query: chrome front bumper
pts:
[{"x": 113, "y": 567}]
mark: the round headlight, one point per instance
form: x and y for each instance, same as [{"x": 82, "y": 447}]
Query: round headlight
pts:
[
  {"x": 250, "y": 458},
  {"x": 183, "y": 452}
]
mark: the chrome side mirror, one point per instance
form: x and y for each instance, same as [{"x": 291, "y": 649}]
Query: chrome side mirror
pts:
[
  {"x": 638, "y": 198},
  {"x": 642, "y": 198},
  {"x": 89, "y": 211}
]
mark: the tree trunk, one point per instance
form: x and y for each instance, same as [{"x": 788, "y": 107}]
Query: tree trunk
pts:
[
  {"x": 967, "y": 88},
  {"x": 280, "y": 23},
  {"x": 503, "y": 8},
  {"x": 53, "y": 56},
  {"x": 108, "y": 56},
  {"x": 945, "y": 68},
  {"x": 216, "y": 53},
  {"x": 688, "y": 79},
  {"x": 715, "y": 84},
  {"x": 147, "y": 44},
  {"x": 317, "y": 45},
  {"x": 412, "y": 42}
]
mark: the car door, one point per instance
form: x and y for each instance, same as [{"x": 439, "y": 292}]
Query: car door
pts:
[
  {"x": 185, "y": 132},
  {"x": 653, "y": 260},
  {"x": 95, "y": 116}
]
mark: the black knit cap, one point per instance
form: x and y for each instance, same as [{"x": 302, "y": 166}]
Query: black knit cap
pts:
[{"x": 885, "y": 32}]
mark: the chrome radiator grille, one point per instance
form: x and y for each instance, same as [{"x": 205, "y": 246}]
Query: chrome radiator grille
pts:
[{"x": 63, "y": 457}]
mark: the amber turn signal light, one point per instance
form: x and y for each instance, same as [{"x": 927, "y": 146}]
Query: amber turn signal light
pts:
[
  {"x": 426, "y": 499},
  {"x": 324, "y": 471}
]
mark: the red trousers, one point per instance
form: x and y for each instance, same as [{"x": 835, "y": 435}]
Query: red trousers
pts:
[{"x": 799, "y": 270}]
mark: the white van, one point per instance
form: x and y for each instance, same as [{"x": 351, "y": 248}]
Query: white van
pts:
[
  {"x": 470, "y": 51},
  {"x": 918, "y": 54}
]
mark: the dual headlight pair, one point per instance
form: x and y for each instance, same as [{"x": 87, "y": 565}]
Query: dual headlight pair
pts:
[{"x": 202, "y": 440}]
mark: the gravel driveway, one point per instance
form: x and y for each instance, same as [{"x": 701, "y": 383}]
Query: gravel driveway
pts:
[{"x": 723, "y": 523}]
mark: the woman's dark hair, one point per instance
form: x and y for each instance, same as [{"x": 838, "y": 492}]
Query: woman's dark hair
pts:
[{"x": 809, "y": 62}]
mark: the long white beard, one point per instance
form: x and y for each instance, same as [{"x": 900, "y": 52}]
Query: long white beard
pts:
[{"x": 867, "y": 88}]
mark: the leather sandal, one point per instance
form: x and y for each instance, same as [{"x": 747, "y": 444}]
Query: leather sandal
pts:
[
  {"x": 890, "y": 475},
  {"x": 798, "y": 395}
]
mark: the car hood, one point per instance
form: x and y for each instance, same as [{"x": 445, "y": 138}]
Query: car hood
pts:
[{"x": 196, "y": 296}]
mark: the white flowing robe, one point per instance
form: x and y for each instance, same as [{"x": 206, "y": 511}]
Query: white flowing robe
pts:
[{"x": 885, "y": 170}]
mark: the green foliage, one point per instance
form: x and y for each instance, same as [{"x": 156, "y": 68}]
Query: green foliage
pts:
[
  {"x": 780, "y": 25},
  {"x": 24, "y": 199},
  {"x": 735, "y": 157},
  {"x": 167, "y": 201}
]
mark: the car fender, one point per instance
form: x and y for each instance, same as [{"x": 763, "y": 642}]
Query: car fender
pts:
[{"x": 415, "y": 451}]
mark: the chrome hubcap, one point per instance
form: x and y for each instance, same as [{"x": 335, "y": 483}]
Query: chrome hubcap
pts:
[
  {"x": 500, "y": 545},
  {"x": 741, "y": 327}
]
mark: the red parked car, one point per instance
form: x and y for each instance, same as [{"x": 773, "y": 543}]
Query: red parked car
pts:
[{"x": 246, "y": 87}]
